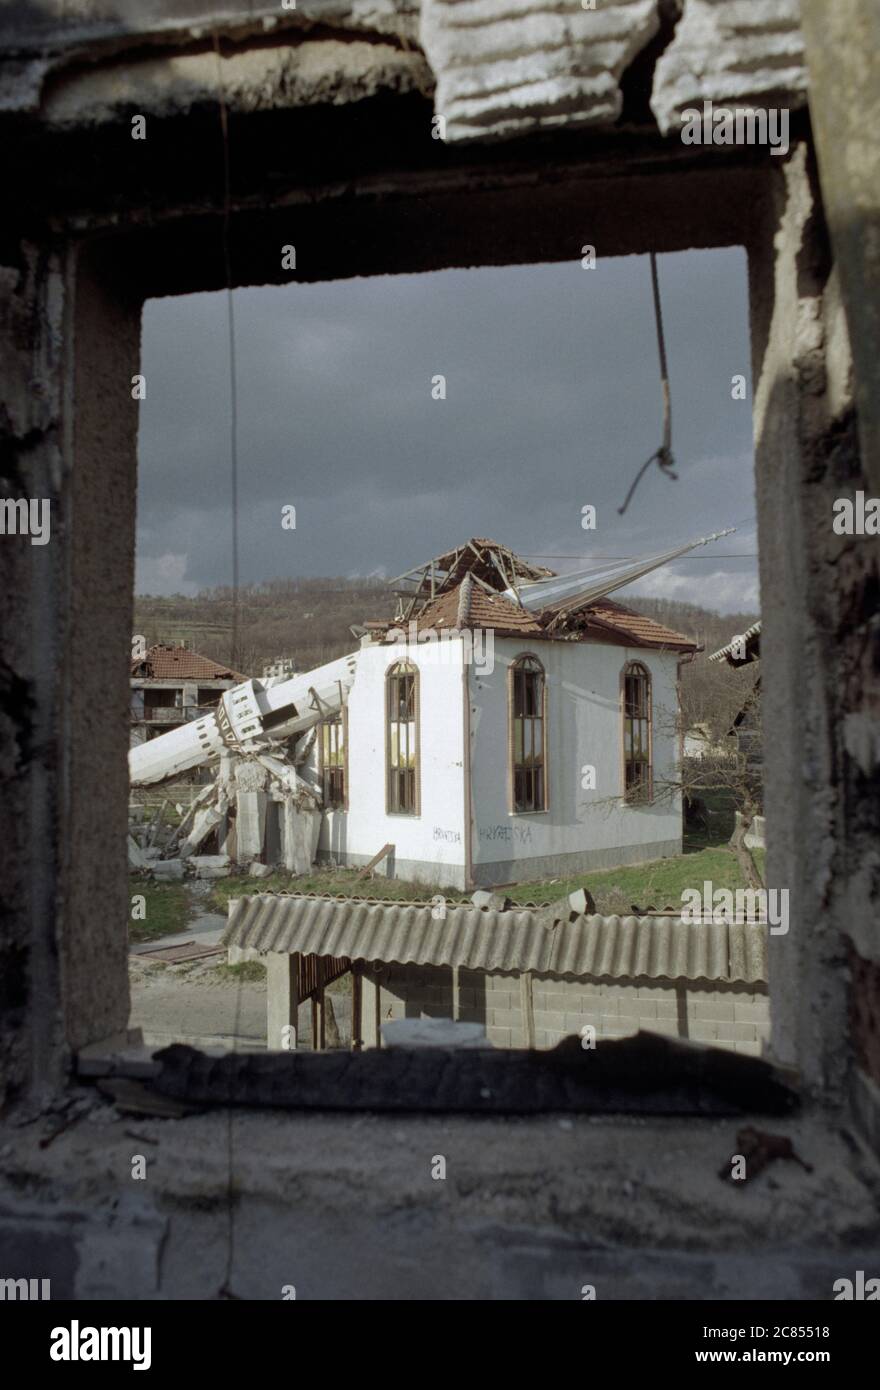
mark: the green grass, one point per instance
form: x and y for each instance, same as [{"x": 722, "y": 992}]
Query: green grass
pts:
[
  {"x": 250, "y": 972},
  {"x": 657, "y": 884},
  {"x": 340, "y": 881},
  {"x": 167, "y": 906}
]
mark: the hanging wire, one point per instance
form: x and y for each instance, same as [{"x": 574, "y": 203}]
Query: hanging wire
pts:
[
  {"x": 663, "y": 455},
  {"x": 233, "y": 395},
  {"x": 225, "y": 1290}
]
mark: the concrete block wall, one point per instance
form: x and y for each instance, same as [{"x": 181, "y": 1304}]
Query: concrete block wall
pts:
[{"x": 736, "y": 1016}]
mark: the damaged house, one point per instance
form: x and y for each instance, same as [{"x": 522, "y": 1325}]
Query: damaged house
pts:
[
  {"x": 490, "y": 742},
  {"x": 171, "y": 685},
  {"x": 506, "y": 724}
]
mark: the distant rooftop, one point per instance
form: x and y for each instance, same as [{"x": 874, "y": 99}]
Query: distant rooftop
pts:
[{"x": 165, "y": 663}]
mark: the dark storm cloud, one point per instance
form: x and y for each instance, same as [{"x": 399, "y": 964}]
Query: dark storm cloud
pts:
[{"x": 553, "y": 402}]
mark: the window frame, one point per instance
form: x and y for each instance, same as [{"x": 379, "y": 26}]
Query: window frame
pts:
[
  {"x": 740, "y": 214},
  {"x": 392, "y": 673},
  {"x": 516, "y": 665},
  {"x": 644, "y": 795},
  {"x": 340, "y": 720}
]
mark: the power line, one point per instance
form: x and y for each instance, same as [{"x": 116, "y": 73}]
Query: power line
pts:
[
  {"x": 550, "y": 555},
  {"x": 233, "y": 393},
  {"x": 663, "y": 455}
]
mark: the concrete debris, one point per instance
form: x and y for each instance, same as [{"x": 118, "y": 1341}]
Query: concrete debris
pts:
[
  {"x": 250, "y": 824},
  {"x": 136, "y": 857},
  {"x": 205, "y": 821},
  {"x": 258, "y": 814},
  {"x": 504, "y": 67},
  {"x": 484, "y": 898},
  {"x": 211, "y": 865},
  {"x": 250, "y": 775},
  {"x": 167, "y": 868},
  {"x": 731, "y": 55},
  {"x": 258, "y": 870}
]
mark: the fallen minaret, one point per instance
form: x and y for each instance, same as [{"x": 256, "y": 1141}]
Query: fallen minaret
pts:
[
  {"x": 258, "y": 802},
  {"x": 249, "y": 718}
]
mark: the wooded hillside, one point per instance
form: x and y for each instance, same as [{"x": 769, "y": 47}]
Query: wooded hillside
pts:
[{"x": 309, "y": 620}]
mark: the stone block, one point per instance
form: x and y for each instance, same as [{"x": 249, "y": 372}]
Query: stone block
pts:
[{"x": 170, "y": 869}]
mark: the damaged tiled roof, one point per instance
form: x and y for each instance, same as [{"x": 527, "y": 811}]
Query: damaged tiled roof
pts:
[
  {"x": 607, "y": 616},
  {"x": 465, "y": 557},
  {"x": 163, "y": 663},
  {"x": 469, "y": 606},
  {"x": 512, "y": 941}
]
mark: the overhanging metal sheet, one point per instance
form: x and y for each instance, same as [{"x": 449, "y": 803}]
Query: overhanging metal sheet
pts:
[{"x": 501, "y": 942}]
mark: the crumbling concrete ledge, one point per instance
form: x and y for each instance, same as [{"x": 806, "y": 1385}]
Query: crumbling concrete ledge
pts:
[
  {"x": 732, "y": 53},
  {"x": 346, "y": 1207},
  {"x": 505, "y": 67}
]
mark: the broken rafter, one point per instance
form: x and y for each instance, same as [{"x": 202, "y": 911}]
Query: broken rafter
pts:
[
  {"x": 488, "y": 587},
  {"x": 508, "y": 583}
]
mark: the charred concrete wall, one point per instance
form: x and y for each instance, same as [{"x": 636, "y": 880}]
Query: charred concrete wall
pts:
[{"x": 331, "y": 145}]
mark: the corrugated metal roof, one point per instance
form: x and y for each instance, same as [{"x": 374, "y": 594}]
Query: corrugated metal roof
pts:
[{"x": 512, "y": 941}]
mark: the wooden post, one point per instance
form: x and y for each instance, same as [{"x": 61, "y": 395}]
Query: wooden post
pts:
[
  {"x": 319, "y": 1036},
  {"x": 357, "y": 1003}
]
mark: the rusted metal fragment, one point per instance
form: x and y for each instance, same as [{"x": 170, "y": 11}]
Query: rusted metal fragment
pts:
[{"x": 760, "y": 1149}]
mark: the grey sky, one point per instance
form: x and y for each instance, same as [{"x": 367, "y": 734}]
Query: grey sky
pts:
[{"x": 553, "y": 401}]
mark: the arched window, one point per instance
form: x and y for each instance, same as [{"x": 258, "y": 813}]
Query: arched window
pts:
[
  {"x": 528, "y": 735},
  {"x": 333, "y": 761},
  {"x": 402, "y": 740},
  {"x": 637, "y": 769}
]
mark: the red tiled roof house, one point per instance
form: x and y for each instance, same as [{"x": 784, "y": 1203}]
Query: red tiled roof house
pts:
[
  {"x": 491, "y": 744},
  {"x": 171, "y": 685}
]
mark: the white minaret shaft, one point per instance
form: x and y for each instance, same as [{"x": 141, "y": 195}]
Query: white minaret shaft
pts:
[{"x": 246, "y": 715}]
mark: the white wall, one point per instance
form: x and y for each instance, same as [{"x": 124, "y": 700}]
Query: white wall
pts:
[
  {"x": 582, "y": 829},
  {"x": 584, "y": 727},
  {"x": 429, "y": 847}
]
